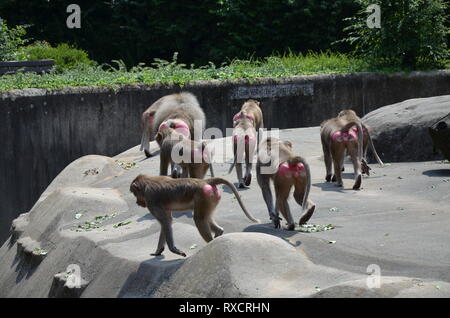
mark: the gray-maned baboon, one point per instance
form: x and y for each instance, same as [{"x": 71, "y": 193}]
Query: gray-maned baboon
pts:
[
  {"x": 338, "y": 137},
  {"x": 277, "y": 162},
  {"x": 183, "y": 106},
  {"x": 193, "y": 157},
  {"x": 164, "y": 195},
  {"x": 350, "y": 115},
  {"x": 246, "y": 125}
]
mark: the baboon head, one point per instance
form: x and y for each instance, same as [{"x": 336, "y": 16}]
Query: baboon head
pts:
[{"x": 137, "y": 187}]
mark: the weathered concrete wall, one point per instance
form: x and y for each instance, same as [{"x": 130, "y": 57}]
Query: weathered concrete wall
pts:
[{"x": 42, "y": 131}]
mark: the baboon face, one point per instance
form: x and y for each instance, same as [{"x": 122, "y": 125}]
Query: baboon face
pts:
[{"x": 135, "y": 188}]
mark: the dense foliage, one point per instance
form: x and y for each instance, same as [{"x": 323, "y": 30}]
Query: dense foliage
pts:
[
  {"x": 10, "y": 40},
  {"x": 65, "y": 56},
  {"x": 412, "y": 34},
  {"x": 200, "y": 30}
]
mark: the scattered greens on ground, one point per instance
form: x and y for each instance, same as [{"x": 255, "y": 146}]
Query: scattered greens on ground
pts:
[
  {"x": 313, "y": 228},
  {"x": 121, "y": 224},
  {"x": 93, "y": 224},
  {"x": 126, "y": 165},
  {"x": 168, "y": 72},
  {"x": 40, "y": 251}
]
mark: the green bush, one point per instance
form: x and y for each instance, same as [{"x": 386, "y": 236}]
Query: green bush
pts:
[
  {"x": 65, "y": 56},
  {"x": 10, "y": 40},
  {"x": 412, "y": 34}
]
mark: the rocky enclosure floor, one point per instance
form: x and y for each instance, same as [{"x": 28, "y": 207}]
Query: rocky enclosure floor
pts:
[{"x": 86, "y": 225}]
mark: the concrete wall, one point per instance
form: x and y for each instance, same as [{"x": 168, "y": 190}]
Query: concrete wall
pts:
[{"x": 42, "y": 131}]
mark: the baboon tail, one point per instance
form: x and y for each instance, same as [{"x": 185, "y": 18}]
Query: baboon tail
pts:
[
  {"x": 292, "y": 162},
  {"x": 216, "y": 181},
  {"x": 372, "y": 147}
]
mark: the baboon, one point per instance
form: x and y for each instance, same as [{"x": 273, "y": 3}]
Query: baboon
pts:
[
  {"x": 181, "y": 109},
  {"x": 183, "y": 106},
  {"x": 246, "y": 125},
  {"x": 277, "y": 162},
  {"x": 338, "y": 136},
  {"x": 162, "y": 195},
  {"x": 194, "y": 157},
  {"x": 350, "y": 115}
]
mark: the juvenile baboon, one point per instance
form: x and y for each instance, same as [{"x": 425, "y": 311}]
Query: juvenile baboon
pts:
[
  {"x": 277, "y": 162},
  {"x": 246, "y": 125},
  {"x": 164, "y": 195},
  {"x": 350, "y": 115},
  {"x": 193, "y": 157},
  {"x": 183, "y": 106},
  {"x": 338, "y": 136}
]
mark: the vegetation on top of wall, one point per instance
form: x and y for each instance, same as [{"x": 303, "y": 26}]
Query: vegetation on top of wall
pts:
[{"x": 172, "y": 72}]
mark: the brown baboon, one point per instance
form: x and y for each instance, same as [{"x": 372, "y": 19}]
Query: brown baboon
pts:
[
  {"x": 350, "y": 115},
  {"x": 193, "y": 157},
  {"x": 338, "y": 136},
  {"x": 162, "y": 195},
  {"x": 277, "y": 162},
  {"x": 246, "y": 126},
  {"x": 183, "y": 106}
]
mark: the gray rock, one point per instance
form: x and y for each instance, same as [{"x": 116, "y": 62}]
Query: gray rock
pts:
[{"x": 400, "y": 131}]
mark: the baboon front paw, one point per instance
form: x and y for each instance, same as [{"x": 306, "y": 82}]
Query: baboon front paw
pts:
[
  {"x": 290, "y": 227},
  {"x": 148, "y": 154},
  {"x": 328, "y": 178},
  {"x": 177, "y": 251},
  {"x": 248, "y": 179},
  {"x": 357, "y": 185},
  {"x": 158, "y": 252},
  {"x": 334, "y": 178}
]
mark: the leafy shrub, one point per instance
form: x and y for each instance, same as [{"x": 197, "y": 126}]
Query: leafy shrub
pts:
[
  {"x": 412, "y": 34},
  {"x": 10, "y": 40},
  {"x": 65, "y": 56}
]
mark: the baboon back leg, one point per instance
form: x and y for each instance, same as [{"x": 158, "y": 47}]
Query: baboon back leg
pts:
[
  {"x": 218, "y": 231},
  {"x": 338, "y": 155},
  {"x": 327, "y": 159},
  {"x": 356, "y": 160},
  {"x": 264, "y": 184},
  {"x": 239, "y": 175},
  {"x": 282, "y": 194}
]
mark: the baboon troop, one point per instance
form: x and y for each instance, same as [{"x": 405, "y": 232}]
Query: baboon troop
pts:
[{"x": 177, "y": 122}]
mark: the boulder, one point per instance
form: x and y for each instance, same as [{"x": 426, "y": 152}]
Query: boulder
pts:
[{"x": 400, "y": 131}]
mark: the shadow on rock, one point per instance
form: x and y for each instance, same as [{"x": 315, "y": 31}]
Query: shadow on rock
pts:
[
  {"x": 149, "y": 276},
  {"x": 437, "y": 173}
]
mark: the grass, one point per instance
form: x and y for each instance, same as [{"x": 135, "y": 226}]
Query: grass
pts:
[{"x": 172, "y": 72}]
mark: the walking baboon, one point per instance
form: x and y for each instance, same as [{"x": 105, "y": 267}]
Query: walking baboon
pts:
[
  {"x": 193, "y": 157},
  {"x": 350, "y": 115},
  {"x": 183, "y": 106},
  {"x": 338, "y": 137},
  {"x": 246, "y": 125},
  {"x": 164, "y": 195},
  {"x": 277, "y": 162}
]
